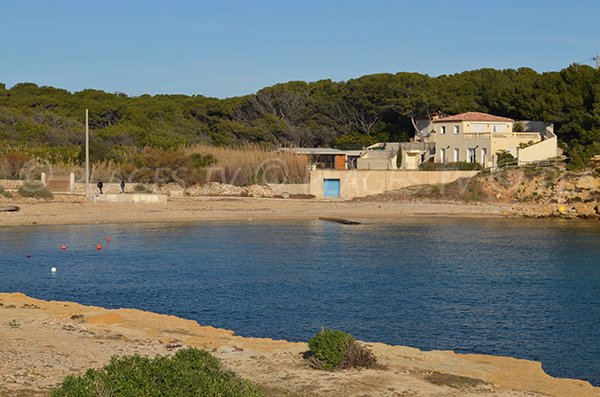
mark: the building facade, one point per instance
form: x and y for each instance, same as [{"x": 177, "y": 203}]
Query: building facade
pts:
[{"x": 478, "y": 137}]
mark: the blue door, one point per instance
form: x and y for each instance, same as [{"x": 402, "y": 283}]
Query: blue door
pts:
[{"x": 331, "y": 187}]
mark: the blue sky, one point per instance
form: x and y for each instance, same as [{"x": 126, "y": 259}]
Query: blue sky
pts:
[{"x": 230, "y": 48}]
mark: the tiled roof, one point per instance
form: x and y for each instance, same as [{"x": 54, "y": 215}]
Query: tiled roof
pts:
[{"x": 474, "y": 116}]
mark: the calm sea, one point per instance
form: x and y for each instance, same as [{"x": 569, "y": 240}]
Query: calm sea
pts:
[{"x": 522, "y": 288}]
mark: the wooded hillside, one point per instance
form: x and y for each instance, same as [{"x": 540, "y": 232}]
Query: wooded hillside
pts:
[{"x": 49, "y": 121}]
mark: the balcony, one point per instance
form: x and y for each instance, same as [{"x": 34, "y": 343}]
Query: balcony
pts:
[{"x": 531, "y": 136}]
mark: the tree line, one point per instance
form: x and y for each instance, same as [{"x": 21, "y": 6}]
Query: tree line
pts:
[{"x": 350, "y": 114}]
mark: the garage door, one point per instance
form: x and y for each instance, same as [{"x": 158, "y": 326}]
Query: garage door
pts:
[{"x": 331, "y": 187}]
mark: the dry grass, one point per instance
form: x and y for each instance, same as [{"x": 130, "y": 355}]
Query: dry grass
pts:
[
  {"x": 244, "y": 165},
  {"x": 252, "y": 164}
]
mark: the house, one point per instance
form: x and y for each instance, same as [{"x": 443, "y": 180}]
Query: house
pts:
[
  {"x": 476, "y": 137},
  {"x": 424, "y": 125},
  {"x": 380, "y": 156},
  {"x": 322, "y": 158}
]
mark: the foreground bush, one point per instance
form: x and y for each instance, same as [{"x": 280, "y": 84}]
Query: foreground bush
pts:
[
  {"x": 35, "y": 189},
  {"x": 191, "y": 372},
  {"x": 4, "y": 193},
  {"x": 331, "y": 349}
]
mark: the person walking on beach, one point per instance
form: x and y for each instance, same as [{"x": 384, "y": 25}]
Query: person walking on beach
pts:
[
  {"x": 122, "y": 185},
  {"x": 100, "y": 185}
]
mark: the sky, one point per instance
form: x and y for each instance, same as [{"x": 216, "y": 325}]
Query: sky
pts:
[{"x": 231, "y": 48}]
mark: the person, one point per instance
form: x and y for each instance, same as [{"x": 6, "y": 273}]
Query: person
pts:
[
  {"x": 122, "y": 185},
  {"x": 100, "y": 185}
]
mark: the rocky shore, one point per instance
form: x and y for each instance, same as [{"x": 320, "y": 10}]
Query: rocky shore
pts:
[{"x": 42, "y": 342}]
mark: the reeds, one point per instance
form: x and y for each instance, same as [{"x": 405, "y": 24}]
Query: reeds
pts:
[
  {"x": 243, "y": 165},
  {"x": 250, "y": 164}
]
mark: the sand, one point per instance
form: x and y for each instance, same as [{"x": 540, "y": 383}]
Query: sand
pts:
[
  {"x": 69, "y": 211},
  {"x": 42, "y": 342}
]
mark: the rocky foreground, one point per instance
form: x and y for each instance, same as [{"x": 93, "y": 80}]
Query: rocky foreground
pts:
[{"x": 42, "y": 342}]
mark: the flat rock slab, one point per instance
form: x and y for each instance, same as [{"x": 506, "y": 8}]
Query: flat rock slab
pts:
[
  {"x": 339, "y": 220},
  {"x": 11, "y": 208},
  {"x": 144, "y": 198}
]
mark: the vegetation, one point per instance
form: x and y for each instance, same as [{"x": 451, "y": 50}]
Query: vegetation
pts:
[
  {"x": 5, "y": 193},
  {"x": 460, "y": 165},
  {"x": 200, "y": 164},
  {"x": 331, "y": 349},
  {"x": 505, "y": 158},
  {"x": 35, "y": 189},
  {"x": 191, "y": 372},
  {"x": 47, "y": 122},
  {"x": 139, "y": 188}
]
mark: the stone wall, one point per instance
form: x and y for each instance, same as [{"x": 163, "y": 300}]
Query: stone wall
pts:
[{"x": 10, "y": 184}]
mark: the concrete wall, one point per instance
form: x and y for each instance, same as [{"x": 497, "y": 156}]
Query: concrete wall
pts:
[
  {"x": 107, "y": 188},
  {"x": 360, "y": 183},
  {"x": 290, "y": 188},
  {"x": 377, "y": 163},
  {"x": 544, "y": 150},
  {"x": 130, "y": 198},
  {"x": 380, "y": 156},
  {"x": 411, "y": 159}
]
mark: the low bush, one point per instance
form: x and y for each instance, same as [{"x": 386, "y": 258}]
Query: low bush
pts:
[
  {"x": 35, "y": 189},
  {"x": 331, "y": 349},
  {"x": 191, "y": 372},
  {"x": 505, "y": 159},
  {"x": 139, "y": 188},
  {"x": 460, "y": 166},
  {"x": 4, "y": 193}
]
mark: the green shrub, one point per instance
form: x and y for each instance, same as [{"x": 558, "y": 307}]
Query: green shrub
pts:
[
  {"x": 4, "y": 193},
  {"x": 35, "y": 189},
  {"x": 331, "y": 349},
  {"x": 460, "y": 165},
  {"x": 505, "y": 158},
  {"x": 191, "y": 372},
  {"x": 139, "y": 188},
  {"x": 465, "y": 166},
  {"x": 428, "y": 166}
]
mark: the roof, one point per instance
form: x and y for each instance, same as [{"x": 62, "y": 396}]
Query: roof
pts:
[
  {"x": 474, "y": 116},
  {"x": 313, "y": 151}
]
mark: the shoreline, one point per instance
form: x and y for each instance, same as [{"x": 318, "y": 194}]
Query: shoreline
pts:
[
  {"x": 244, "y": 209},
  {"x": 47, "y": 340}
]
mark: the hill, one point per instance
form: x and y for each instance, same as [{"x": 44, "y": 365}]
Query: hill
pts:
[{"x": 49, "y": 121}]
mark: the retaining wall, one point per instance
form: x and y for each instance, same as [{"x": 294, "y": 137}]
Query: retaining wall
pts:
[{"x": 360, "y": 183}]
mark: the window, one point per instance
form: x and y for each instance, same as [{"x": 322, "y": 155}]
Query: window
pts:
[
  {"x": 456, "y": 155},
  {"x": 456, "y": 129},
  {"x": 472, "y": 155},
  {"x": 442, "y": 130},
  {"x": 443, "y": 155}
]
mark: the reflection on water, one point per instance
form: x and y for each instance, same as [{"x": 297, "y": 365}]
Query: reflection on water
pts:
[{"x": 522, "y": 288}]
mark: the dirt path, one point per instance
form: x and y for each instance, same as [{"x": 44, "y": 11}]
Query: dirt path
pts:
[{"x": 42, "y": 342}]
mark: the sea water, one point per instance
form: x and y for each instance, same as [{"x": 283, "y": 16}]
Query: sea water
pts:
[{"x": 521, "y": 288}]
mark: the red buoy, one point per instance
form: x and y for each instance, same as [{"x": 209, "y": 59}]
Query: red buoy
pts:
[
  {"x": 64, "y": 247},
  {"x": 99, "y": 247},
  {"x": 108, "y": 238}
]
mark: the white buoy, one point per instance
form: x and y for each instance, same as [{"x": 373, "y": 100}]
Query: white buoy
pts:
[{"x": 53, "y": 269}]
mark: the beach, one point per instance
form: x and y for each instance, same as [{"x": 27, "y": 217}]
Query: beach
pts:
[
  {"x": 73, "y": 210},
  {"x": 45, "y": 341}
]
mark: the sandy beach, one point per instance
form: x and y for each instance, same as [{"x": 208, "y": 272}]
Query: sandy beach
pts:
[
  {"x": 42, "y": 342},
  {"x": 73, "y": 210}
]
